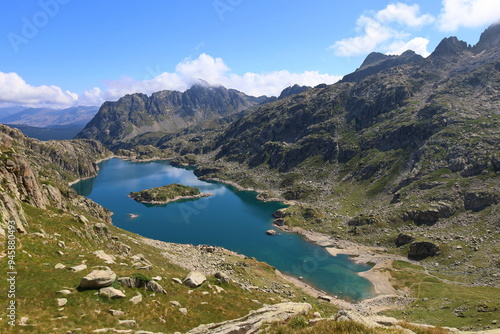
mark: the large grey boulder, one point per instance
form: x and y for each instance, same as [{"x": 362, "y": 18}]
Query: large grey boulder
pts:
[
  {"x": 194, "y": 279},
  {"x": 252, "y": 322},
  {"x": 98, "y": 279}
]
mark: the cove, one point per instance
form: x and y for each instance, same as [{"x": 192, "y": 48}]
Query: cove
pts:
[{"x": 232, "y": 219}]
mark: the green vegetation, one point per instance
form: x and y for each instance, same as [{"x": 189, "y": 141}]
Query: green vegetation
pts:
[
  {"x": 37, "y": 278},
  {"x": 444, "y": 304},
  {"x": 166, "y": 194}
]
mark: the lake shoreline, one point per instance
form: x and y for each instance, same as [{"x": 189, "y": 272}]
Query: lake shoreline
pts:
[{"x": 378, "y": 275}]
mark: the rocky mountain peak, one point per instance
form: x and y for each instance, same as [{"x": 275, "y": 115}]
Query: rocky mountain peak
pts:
[
  {"x": 373, "y": 58},
  {"x": 292, "y": 90},
  {"x": 450, "y": 46},
  {"x": 489, "y": 39},
  {"x": 376, "y": 62}
]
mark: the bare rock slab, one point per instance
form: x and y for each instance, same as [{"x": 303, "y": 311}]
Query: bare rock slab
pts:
[
  {"x": 98, "y": 279},
  {"x": 253, "y": 321},
  {"x": 194, "y": 279}
]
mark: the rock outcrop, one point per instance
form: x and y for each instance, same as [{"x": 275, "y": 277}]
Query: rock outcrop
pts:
[
  {"x": 252, "y": 322},
  {"x": 422, "y": 249}
]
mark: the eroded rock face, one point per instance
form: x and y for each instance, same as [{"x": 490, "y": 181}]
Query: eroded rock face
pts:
[
  {"x": 403, "y": 239},
  {"x": 252, "y": 322},
  {"x": 422, "y": 249},
  {"x": 477, "y": 201}
]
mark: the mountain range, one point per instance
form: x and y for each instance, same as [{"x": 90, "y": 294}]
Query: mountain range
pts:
[{"x": 411, "y": 142}]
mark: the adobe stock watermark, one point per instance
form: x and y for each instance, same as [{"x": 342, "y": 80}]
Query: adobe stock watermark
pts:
[
  {"x": 223, "y": 6},
  {"x": 11, "y": 273},
  {"x": 31, "y": 25}
]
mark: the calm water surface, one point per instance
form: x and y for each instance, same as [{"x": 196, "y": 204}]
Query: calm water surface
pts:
[{"x": 232, "y": 219}]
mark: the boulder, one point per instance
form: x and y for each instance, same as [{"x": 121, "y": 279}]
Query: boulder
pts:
[
  {"x": 422, "y": 249},
  {"x": 403, "y": 239},
  {"x": 78, "y": 268},
  {"x": 98, "y": 279},
  {"x": 251, "y": 323},
  {"x": 111, "y": 293},
  {"x": 194, "y": 279},
  {"x": 136, "y": 299},
  {"x": 271, "y": 232},
  {"x": 61, "y": 302},
  {"x": 134, "y": 282},
  {"x": 222, "y": 277}
]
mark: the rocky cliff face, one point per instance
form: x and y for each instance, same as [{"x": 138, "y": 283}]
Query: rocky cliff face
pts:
[
  {"x": 36, "y": 173},
  {"x": 164, "y": 111}
]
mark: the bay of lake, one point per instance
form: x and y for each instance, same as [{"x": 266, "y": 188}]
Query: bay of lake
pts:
[{"x": 232, "y": 219}]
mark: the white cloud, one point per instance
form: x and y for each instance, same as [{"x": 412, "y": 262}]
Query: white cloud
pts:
[
  {"x": 404, "y": 15},
  {"x": 418, "y": 44},
  {"x": 468, "y": 13},
  {"x": 381, "y": 30},
  {"x": 215, "y": 72},
  {"x": 14, "y": 90}
]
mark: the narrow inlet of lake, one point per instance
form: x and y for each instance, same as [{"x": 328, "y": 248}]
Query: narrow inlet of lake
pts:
[{"x": 232, "y": 219}]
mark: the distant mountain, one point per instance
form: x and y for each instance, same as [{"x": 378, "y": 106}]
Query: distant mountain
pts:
[
  {"x": 44, "y": 117},
  {"x": 54, "y": 132},
  {"x": 164, "y": 111}
]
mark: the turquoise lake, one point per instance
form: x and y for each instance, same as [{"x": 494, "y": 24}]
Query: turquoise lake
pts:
[{"x": 232, "y": 219}]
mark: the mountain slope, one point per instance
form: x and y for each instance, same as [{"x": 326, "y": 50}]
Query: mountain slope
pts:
[
  {"x": 167, "y": 111},
  {"x": 407, "y": 149}
]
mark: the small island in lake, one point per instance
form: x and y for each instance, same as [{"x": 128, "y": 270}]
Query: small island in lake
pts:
[{"x": 166, "y": 194}]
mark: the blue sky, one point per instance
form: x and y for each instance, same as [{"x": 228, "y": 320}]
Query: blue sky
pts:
[{"x": 67, "y": 52}]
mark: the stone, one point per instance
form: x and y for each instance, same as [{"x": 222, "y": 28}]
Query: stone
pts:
[
  {"x": 194, "y": 279},
  {"x": 116, "y": 313},
  {"x": 61, "y": 302},
  {"x": 98, "y": 279},
  {"x": 111, "y": 293},
  {"x": 271, "y": 232},
  {"x": 136, "y": 299},
  {"x": 252, "y": 322},
  {"x": 109, "y": 259},
  {"x": 175, "y": 303},
  {"x": 23, "y": 321},
  {"x": 59, "y": 266},
  {"x": 134, "y": 282},
  {"x": 325, "y": 298},
  {"x": 157, "y": 278},
  {"x": 422, "y": 249},
  {"x": 78, "y": 268},
  {"x": 177, "y": 280},
  {"x": 64, "y": 292},
  {"x": 222, "y": 277},
  {"x": 183, "y": 310},
  {"x": 130, "y": 323}
]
